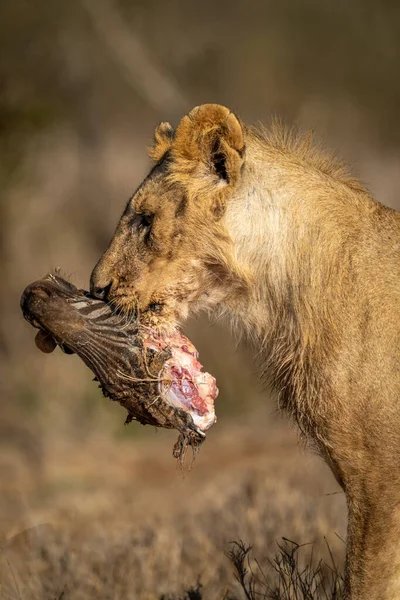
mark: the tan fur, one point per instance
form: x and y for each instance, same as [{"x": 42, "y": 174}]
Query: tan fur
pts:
[
  {"x": 163, "y": 137},
  {"x": 262, "y": 227}
]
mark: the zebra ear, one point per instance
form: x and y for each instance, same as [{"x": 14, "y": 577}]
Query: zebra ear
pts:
[{"x": 163, "y": 136}]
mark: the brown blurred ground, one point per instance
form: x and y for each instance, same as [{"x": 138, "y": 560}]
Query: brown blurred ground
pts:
[{"x": 82, "y": 85}]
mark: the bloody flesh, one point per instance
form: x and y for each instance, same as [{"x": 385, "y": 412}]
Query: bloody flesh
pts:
[{"x": 182, "y": 382}]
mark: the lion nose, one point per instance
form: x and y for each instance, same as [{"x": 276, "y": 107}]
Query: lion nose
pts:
[{"x": 101, "y": 292}]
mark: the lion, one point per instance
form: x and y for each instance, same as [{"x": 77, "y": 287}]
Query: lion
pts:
[{"x": 262, "y": 227}]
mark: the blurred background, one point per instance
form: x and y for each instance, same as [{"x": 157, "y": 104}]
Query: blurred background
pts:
[{"x": 82, "y": 85}]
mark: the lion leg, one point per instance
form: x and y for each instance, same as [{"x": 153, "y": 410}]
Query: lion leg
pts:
[
  {"x": 364, "y": 456},
  {"x": 373, "y": 552}
]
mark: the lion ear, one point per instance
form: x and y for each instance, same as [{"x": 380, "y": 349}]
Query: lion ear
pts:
[
  {"x": 163, "y": 137},
  {"x": 209, "y": 145}
]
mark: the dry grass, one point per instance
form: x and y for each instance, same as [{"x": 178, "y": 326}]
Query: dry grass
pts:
[
  {"x": 291, "y": 578},
  {"x": 118, "y": 520}
]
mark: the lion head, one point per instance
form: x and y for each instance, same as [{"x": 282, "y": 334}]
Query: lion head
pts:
[{"x": 172, "y": 252}]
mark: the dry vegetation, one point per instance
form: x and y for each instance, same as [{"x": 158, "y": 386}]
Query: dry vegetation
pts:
[
  {"x": 121, "y": 520},
  {"x": 104, "y": 510}
]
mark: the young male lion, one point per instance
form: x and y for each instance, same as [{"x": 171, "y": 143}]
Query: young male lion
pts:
[{"x": 261, "y": 226}]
